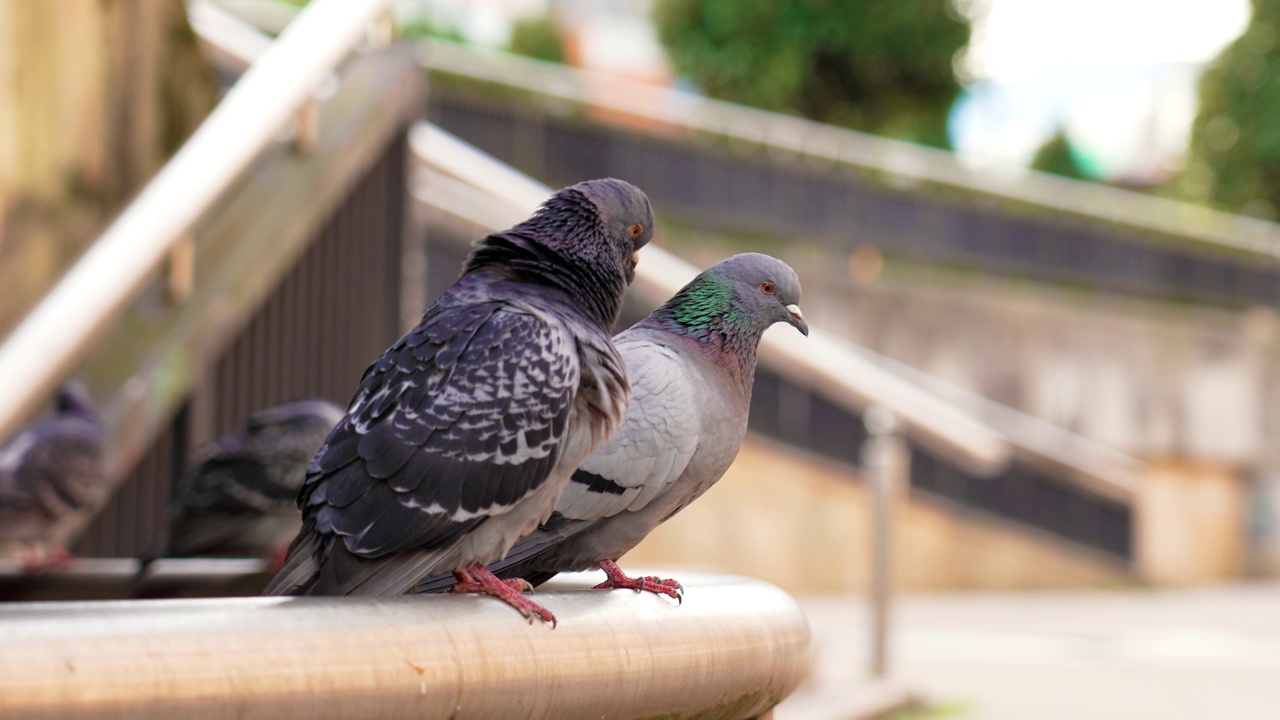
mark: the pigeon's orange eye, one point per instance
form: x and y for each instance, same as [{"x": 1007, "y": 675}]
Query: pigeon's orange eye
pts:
[
  {"x": 636, "y": 230},
  {"x": 766, "y": 288}
]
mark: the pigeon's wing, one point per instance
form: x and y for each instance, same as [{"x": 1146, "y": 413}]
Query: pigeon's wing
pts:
[
  {"x": 63, "y": 468},
  {"x": 242, "y": 496},
  {"x": 48, "y": 473},
  {"x": 215, "y": 500},
  {"x": 21, "y": 515},
  {"x": 229, "y": 479},
  {"x": 658, "y": 437},
  {"x": 650, "y": 451},
  {"x": 457, "y": 422}
]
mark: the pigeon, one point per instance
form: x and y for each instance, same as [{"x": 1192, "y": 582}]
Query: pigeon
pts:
[
  {"x": 461, "y": 436},
  {"x": 240, "y": 500},
  {"x": 691, "y": 364},
  {"x": 52, "y": 474}
]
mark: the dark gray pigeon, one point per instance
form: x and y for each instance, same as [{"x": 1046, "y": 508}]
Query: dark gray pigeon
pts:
[
  {"x": 52, "y": 474},
  {"x": 691, "y": 364},
  {"x": 241, "y": 499},
  {"x": 462, "y": 435}
]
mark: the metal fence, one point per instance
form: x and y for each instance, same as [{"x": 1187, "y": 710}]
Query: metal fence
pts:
[
  {"x": 716, "y": 184},
  {"x": 1025, "y": 493}
]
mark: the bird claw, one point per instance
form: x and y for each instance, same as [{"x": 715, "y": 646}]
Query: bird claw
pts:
[
  {"x": 44, "y": 560},
  {"x": 276, "y": 559},
  {"x": 480, "y": 580},
  {"x": 649, "y": 583}
]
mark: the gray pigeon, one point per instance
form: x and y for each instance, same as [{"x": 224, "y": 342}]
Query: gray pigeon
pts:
[
  {"x": 241, "y": 499},
  {"x": 691, "y": 365},
  {"x": 462, "y": 435},
  {"x": 52, "y": 474}
]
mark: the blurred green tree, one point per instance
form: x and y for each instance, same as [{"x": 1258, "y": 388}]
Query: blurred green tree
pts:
[
  {"x": 1057, "y": 157},
  {"x": 538, "y": 36},
  {"x": 881, "y": 66},
  {"x": 1233, "y": 159}
]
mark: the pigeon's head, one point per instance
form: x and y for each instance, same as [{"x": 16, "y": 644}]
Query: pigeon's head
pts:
[
  {"x": 73, "y": 399},
  {"x": 624, "y": 211},
  {"x": 582, "y": 241},
  {"x": 765, "y": 291},
  {"x": 309, "y": 415}
]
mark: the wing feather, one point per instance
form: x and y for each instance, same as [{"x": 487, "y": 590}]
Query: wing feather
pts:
[
  {"x": 654, "y": 445},
  {"x": 457, "y": 422}
]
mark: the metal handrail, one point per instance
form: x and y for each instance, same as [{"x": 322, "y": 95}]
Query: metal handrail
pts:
[
  {"x": 59, "y": 331},
  {"x": 979, "y": 434},
  {"x": 817, "y": 361},
  {"x": 734, "y": 648},
  {"x": 1103, "y": 469},
  {"x": 895, "y": 162}
]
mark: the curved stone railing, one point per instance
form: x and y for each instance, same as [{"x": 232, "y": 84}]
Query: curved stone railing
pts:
[{"x": 733, "y": 649}]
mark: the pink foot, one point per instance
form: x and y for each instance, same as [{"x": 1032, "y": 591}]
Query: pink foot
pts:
[
  {"x": 477, "y": 578},
  {"x": 54, "y": 558},
  {"x": 275, "y": 560},
  {"x": 649, "y": 583}
]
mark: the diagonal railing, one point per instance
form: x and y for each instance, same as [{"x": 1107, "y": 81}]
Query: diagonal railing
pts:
[
  {"x": 62, "y": 328},
  {"x": 975, "y": 433},
  {"x": 669, "y": 112}
]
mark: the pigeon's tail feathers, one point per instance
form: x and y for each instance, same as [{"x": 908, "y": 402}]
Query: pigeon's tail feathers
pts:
[
  {"x": 301, "y": 567},
  {"x": 539, "y": 577},
  {"x": 520, "y": 561},
  {"x": 437, "y": 583},
  {"x": 509, "y": 567},
  {"x": 345, "y": 573}
]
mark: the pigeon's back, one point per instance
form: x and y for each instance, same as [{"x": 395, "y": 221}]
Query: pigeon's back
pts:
[
  {"x": 241, "y": 498},
  {"x": 461, "y": 435},
  {"x": 50, "y": 475}
]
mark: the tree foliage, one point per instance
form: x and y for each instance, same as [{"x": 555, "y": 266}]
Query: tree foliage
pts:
[
  {"x": 882, "y": 66},
  {"x": 1056, "y": 157},
  {"x": 538, "y": 36},
  {"x": 1233, "y": 159}
]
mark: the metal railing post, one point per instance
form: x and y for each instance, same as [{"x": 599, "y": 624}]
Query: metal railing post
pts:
[{"x": 886, "y": 462}]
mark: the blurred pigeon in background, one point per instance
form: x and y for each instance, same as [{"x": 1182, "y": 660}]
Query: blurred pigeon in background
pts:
[
  {"x": 462, "y": 435},
  {"x": 691, "y": 365},
  {"x": 52, "y": 475},
  {"x": 241, "y": 499}
]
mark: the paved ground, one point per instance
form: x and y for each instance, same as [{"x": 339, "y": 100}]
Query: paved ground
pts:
[{"x": 1174, "y": 655}]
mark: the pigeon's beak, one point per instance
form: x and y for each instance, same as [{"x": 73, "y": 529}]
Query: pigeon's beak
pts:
[
  {"x": 631, "y": 267},
  {"x": 797, "y": 319}
]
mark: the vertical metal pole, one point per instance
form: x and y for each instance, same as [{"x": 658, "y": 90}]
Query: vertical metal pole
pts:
[{"x": 886, "y": 464}]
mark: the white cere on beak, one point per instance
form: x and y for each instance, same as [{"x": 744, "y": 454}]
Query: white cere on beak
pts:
[{"x": 795, "y": 311}]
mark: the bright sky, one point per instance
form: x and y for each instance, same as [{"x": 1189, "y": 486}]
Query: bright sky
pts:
[
  {"x": 1119, "y": 75},
  {"x": 1023, "y": 39}
]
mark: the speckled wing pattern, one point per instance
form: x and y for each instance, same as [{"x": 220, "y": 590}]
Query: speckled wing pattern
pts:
[
  {"x": 652, "y": 449},
  {"x": 457, "y": 422}
]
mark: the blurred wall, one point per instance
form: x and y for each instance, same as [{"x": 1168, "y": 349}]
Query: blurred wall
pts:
[
  {"x": 795, "y": 520},
  {"x": 94, "y": 98}
]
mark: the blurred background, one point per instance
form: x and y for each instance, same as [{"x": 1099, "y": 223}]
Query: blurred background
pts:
[{"x": 1039, "y": 234}]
